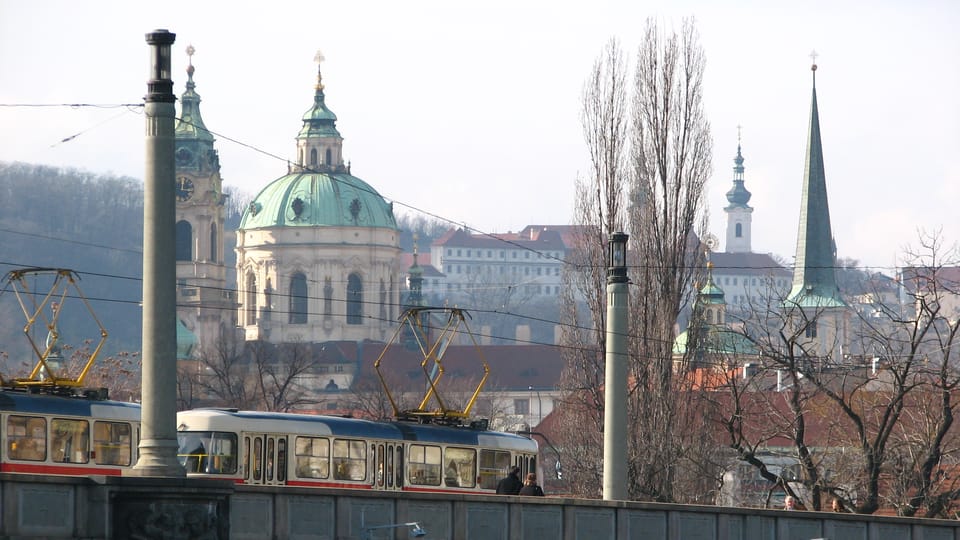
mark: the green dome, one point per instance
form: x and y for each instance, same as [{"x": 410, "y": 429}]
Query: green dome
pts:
[{"x": 318, "y": 199}]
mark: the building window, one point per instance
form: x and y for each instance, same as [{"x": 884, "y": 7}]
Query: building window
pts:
[
  {"x": 489, "y": 254},
  {"x": 329, "y": 157},
  {"x": 521, "y": 406},
  {"x": 313, "y": 156},
  {"x": 354, "y": 299},
  {"x": 184, "y": 241},
  {"x": 298, "y": 299},
  {"x": 251, "y": 298},
  {"x": 526, "y": 255},
  {"x": 449, "y": 252},
  {"x": 811, "y": 330},
  {"x": 739, "y": 230},
  {"x": 459, "y": 253},
  {"x": 327, "y": 297},
  {"x": 514, "y": 254},
  {"x": 213, "y": 242},
  {"x": 468, "y": 253},
  {"x": 383, "y": 301}
]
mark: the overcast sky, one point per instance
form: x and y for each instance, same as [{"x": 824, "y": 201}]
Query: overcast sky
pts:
[{"x": 470, "y": 110}]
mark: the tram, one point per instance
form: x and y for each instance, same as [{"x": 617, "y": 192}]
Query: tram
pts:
[
  {"x": 67, "y": 435},
  {"x": 302, "y": 450}
]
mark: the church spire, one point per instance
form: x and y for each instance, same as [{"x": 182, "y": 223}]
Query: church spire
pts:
[
  {"x": 319, "y": 144},
  {"x": 190, "y": 124},
  {"x": 814, "y": 275},
  {"x": 738, "y": 211}
]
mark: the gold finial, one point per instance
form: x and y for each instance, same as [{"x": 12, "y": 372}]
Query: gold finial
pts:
[
  {"x": 813, "y": 56},
  {"x": 190, "y": 51},
  {"x": 319, "y": 58}
]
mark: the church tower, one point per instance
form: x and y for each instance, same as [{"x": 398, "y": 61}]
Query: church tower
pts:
[
  {"x": 814, "y": 304},
  {"x": 204, "y": 305},
  {"x": 739, "y": 213},
  {"x": 318, "y": 249}
]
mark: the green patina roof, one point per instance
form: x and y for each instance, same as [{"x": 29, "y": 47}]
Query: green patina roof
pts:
[
  {"x": 718, "y": 340},
  {"x": 186, "y": 340},
  {"x": 190, "y": 124},
  {"x": 814, "y": 275},
  {"x": 326, "y": 199},
  {"x": 319, "y": 121}
]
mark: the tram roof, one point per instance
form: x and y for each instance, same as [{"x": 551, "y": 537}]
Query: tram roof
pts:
[{"x": 70, "y": 406}]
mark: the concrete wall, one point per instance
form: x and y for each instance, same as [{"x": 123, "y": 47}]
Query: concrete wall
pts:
[{"x": 108, "y": 508}]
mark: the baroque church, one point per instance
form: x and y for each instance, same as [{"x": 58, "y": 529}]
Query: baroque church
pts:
[{"x": 317, "y": 250}]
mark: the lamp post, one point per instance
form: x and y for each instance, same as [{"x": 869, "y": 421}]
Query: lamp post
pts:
[
  {"x": 158, "y": 440},
  {"x": 615, "y": 383}
]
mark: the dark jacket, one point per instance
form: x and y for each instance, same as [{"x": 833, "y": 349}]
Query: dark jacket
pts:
[
  {"x": 531, "y": 490},
  {"x": 510, "y": 485}
]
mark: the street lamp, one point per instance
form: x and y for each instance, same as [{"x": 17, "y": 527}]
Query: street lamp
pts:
[{"x": 615, "y": 381}]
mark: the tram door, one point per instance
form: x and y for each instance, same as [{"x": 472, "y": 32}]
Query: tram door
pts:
[
  {"x": 387, "y": 466},
  {"x": 265, "y": 460}
]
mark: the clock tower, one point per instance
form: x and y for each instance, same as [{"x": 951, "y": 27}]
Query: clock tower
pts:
[{"x": 204, "y": 305}]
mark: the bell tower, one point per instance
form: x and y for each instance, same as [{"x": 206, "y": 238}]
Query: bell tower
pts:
[{"x": 204, "y": 305}]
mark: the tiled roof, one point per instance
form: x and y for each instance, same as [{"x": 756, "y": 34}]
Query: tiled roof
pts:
[
  {"x": 546, "y": 239},
  {"x": 755, "y": 264},
  {"x": 512, "y": 367}
]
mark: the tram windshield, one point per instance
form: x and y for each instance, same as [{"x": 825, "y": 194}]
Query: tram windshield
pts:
[{"x": 210, "y": 452}]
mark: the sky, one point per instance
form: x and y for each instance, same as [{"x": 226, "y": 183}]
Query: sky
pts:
[{"x": 471, "y": 110}]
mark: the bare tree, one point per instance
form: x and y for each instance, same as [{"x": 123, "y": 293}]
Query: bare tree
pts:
[
  {"x": 600, "y": 211},
  {"x": 671, "y": 156},
  {"x": 662, "y": 153}
]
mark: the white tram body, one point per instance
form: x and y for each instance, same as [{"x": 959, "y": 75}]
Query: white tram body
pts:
[
  {"x": 264, "y": 448},
  {"x": 75, "y": 436}
]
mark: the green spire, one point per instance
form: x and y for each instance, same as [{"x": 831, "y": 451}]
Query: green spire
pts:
[
  {"x": 319, "y": 121},
  {"x": 190, "y": 124},
  {"x": 814, "y": 276}
]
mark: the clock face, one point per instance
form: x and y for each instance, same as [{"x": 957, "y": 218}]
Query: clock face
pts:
[
  {"x": 184, "y": 156},
  {"x": 184, "y": 188}
]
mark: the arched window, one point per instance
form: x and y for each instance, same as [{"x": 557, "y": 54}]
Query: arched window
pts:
[
  {"x": 184, "y": 241},
  {"x": 709, "y": 316},
  {"x": 313, "y": 156},
  {"x": 354, "y": 299},
  {"x": 213, "y": 242},
  {"x": 739, "y": 230},
  {"x": 298, "y": 299},
  {"x": 251, "y": 298},
  {"x": 329, "y": 157}
]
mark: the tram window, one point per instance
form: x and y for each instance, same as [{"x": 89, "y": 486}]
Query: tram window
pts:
[
  {"x": 380, "y": 465},
  {"x": 350, "y": 459},
  {"x": 270, "y": 460},
  {"x": 461, "y": 469},
  {"x": 281, "y": 460},
  {"x": 257, "y": 458},
  {"x": 424, "y": 469},
  {"x": 389, "y": 466},
  {"x": 69, "y": 441},
  {"x": 27, "y": 438},
  {"x": 210, "y": 452},
  {"x": 399, "y": 468},
  {"x": 111, "y": 443},
  {"x": 246, "y": 458},
  {"x": 312, "y": 457},
  {"x": 493, "y": 466}
]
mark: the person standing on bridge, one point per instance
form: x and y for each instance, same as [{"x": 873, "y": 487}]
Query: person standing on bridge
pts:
[
  {"x": 530, "y": 487},
  {"x": 511, "y": 484}
]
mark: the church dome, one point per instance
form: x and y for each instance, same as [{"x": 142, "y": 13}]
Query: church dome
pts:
[{"x": 310, "y": 199}]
